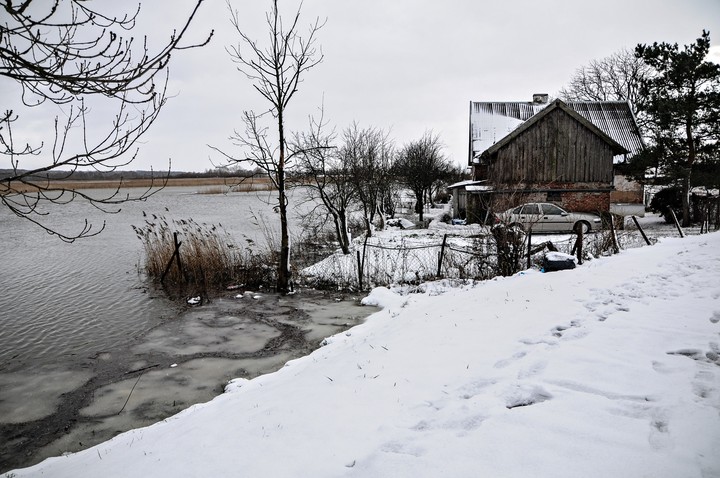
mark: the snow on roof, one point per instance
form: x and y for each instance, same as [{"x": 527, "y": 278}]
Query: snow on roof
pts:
[
  {"x": 467, "y": 182},
  {"x": 492, "y": 121},
  {"x": 478, "y": 188}
]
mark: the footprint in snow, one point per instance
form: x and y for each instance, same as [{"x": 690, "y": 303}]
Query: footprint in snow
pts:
[
  {"x": 525, "y": 395},
  {"x": 533, "y": 370},
  {"x": 659, "y": 438},
  {"x": 505, "y": 362}
]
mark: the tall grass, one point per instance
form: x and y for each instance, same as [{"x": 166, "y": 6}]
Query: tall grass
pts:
[{"x": 209, "y": 258}]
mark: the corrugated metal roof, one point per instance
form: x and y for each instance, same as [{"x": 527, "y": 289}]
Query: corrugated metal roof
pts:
[
  {"x": 558, "y": 104},
  {"x": 517, "y": 110},
  {"x": 615, "y": 119},
  {"x": 492, "y": 121}
]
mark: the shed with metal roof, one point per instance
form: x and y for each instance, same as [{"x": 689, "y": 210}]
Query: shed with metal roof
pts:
[
  {"x": 561, "y": 152},
  {"x": 490, "y": 122}
]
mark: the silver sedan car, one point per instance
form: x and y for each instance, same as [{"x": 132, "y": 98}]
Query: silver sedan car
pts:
[{"x": 547, "y": 217}]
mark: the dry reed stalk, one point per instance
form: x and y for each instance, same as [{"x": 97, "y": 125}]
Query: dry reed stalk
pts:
[{"x": 210, "y": 258}]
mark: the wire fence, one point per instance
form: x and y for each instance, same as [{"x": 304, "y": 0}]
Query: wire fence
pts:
[
  {"x": 386, "y": 261},
  {"x": 406, "y": 262},
  {"x": 381, "y": 262}
]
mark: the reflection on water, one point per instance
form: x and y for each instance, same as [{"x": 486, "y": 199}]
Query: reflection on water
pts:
[{"x": 61, "y": 301}]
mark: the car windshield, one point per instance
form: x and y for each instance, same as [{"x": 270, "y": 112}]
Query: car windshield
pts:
[{"x": 551, "y": 209}]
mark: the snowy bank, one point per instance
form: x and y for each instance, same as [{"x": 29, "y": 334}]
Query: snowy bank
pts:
[{"x": 610, "y": 369}]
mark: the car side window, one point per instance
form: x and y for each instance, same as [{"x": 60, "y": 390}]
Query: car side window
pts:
[
  {"x": 517, "y": 210},
  {"x": 530, "y": 209},
  {"x": 551, "y": 209}
]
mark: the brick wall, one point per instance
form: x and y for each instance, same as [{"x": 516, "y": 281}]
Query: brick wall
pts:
[
  {"x": 587, "y": 202},
  {"x": 573, "y": 201},
  {"x": 578, "y": 197},
  {"x": 626, "y": 190},
  {"x": 567, "y": 196}
]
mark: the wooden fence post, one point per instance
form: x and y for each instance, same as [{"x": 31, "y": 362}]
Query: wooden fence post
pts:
[
  {"x": 613, "y": 235},
  {"x": 529, "y": 249},
  {"x": 361, "y": 264},
  {"x": 175, "y": 257},
  {"x": 440, "y": 259},
  {"x": 579, "y": 245},
  {"x": 677, "y": 224},
  {"x": 642, "y": 233}
]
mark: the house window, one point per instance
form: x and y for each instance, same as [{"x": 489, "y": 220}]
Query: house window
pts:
[{"x": 554, "y": 196}]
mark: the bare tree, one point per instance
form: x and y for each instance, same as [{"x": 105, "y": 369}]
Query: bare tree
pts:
[
  {"x": 369, "y": 154},
  {"x": 327, "y": 178},
  {"x": 617, "y": 77},
  {"x": 420, "y": 165},
  {"x": 275, "y": 70},
  {"x": 65, "y": 53}
]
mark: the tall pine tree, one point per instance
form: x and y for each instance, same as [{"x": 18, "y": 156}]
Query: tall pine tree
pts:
[{"x": 682, "y": 100}]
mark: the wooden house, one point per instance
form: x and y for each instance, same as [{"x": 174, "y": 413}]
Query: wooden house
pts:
[{"x": 559, "y": 152}]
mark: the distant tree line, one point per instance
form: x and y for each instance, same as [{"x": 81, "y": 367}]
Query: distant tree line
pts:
[{"x": 116, "y": 175}]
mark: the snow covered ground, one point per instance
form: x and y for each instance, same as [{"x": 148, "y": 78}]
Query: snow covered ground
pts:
[{"x": 608, "y": 370}]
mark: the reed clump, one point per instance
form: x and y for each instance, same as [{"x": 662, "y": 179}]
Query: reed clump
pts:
[{"x": 209, "y": 260}]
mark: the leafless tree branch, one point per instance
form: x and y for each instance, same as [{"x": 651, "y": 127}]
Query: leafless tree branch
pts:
[{"x": 65, "y": 52}]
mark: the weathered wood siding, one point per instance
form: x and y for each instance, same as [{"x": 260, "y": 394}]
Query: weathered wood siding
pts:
[{"x": 557, "y": 149}]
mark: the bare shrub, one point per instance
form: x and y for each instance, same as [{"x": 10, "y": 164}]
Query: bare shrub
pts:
[
  {"x": 598, "y": 244},
  {"x": 510, "y": 247}
]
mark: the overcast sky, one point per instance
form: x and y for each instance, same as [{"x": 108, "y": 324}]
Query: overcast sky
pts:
[{"x": 405, "y": 65}]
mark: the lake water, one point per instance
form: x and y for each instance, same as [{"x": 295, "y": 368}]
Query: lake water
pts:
[
  {"x": 61, "y": 299},
  {"x": 89, "y": 349}
]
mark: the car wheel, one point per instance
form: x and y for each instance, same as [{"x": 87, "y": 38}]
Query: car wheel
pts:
[
  {"x": 583, "y": 226},
  {"x": 517, "y": 225}
]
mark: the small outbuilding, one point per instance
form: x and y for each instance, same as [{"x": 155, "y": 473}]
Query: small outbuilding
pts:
[{"x": 564, "y": 153}]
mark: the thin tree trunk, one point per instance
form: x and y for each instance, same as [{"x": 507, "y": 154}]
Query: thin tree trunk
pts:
[
  {"x": 381, "y": 215},
  {"x": 420, "y": 204},
  {"x": 341, "y": 231},
  {"x": 686, "y": 201},
  {"x": 368, "y": 228},
  {"x": 283, "y": 282},
  {"x": 688, "y": 170},
  {"x": 344, "y": 229}
]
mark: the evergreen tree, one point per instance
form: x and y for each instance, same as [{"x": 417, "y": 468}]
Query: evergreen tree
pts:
[{"x": 682, "y": 101}]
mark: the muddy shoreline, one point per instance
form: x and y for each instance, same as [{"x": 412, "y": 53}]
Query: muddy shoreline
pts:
[{"x": 172, "y": 366}]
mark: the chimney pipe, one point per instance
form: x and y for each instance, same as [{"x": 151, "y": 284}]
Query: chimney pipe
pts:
[{"x": 540, "y": 98}]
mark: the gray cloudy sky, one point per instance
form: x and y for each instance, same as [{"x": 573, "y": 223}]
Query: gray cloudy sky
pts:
[{"x": 404, "y": 65}]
